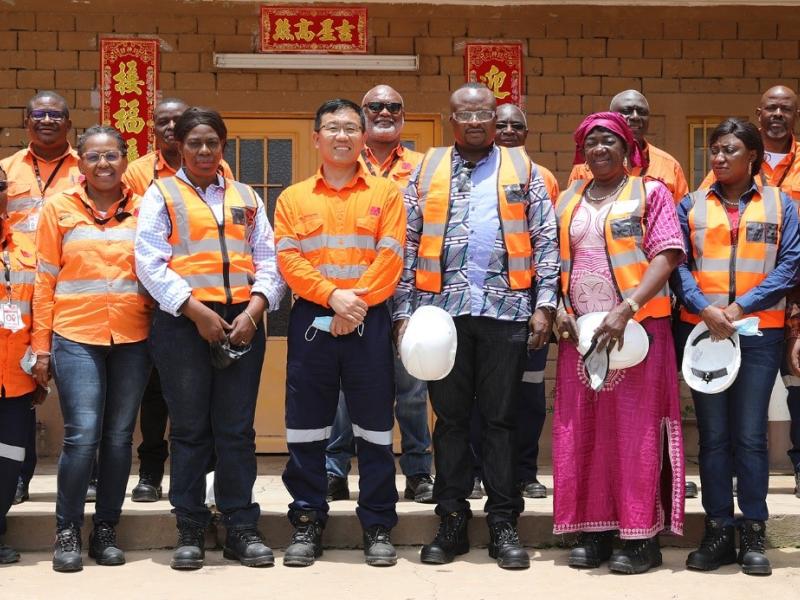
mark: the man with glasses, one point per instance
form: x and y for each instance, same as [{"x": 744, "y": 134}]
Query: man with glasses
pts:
[
  {"x": 46, "y": 167},
  {"x": 384, "y": 156},
  {"x": 481, "y": 244},
  {"x": 339, "y": 236}
]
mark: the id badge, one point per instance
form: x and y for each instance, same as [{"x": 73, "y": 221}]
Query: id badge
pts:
[{"x": 12, "y": 317}]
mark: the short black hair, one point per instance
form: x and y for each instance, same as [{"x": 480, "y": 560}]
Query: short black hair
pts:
[
  {"x": 747, "y": 133},
  {"x": 102, "y": 130},
  {"x": 334, "y": 106},
  {"x": 47, "y": 94},
  {"x": 194, "y": 116}
]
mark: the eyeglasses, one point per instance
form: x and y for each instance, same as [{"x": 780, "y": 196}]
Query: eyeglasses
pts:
[
  {"x": 196, "y": 145},
  {"x": 515, "y": 125},
  {"x": 93, "y": 158},
  {"x": 41, "y": 115},
  {"x": 333, "y": 130},
  {"x": 377, "y": 107},
  {"x": 466, "y": 116},
  {"x": 3, "y": 186}
]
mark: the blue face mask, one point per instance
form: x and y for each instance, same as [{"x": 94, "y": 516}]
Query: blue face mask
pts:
[
  {"x": 748, "y": 326},
  {"x": 323, "y": 323}
]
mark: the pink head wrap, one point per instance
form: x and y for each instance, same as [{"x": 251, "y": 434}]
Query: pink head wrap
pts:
[{"x": 615, "y": 123}]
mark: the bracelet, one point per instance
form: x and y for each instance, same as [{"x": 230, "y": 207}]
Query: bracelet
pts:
[
  {"x": 633, "y": 305},
  {"x": 252, "y": 320},
  {"x": 41, "y": 353}
]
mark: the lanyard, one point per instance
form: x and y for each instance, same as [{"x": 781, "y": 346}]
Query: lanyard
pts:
[
  {"x": 785, "y": 173},
  {"x": 43, "y": 189},
  {"x": 120, "y": 214},
  {"x": 7, "y": 272},
  {"x": 386, "y": 171}
]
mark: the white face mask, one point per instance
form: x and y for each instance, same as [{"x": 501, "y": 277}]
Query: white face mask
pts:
[
  {"x": 28, "y": 361},
  {"x": 748, "y": 326}
]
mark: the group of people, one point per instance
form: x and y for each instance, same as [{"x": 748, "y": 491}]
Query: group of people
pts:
[{"x": 112, "y": 269}]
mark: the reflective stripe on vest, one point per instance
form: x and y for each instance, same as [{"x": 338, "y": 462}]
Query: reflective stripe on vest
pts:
[
  {"x": 624, "y": 234},
  {"x": 725, "y": 272},
  {"x": 434, "y": 183},
  {"x": 215, "y": 260},
  {"x": 24, "y": 204},
  {"x": 98, "y": 286}
]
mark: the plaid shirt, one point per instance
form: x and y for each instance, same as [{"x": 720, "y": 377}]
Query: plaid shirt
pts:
[{"x": 498, "y": 300}]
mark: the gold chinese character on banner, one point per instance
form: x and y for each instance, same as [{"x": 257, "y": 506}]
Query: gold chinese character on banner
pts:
[
  {"x": 128, "y": 78},
  {"x": 133, "y": 149},
  {"x": 303, "y": 31},
  {"x": 345, "y": 31},
  {"x": 494, "y": 80},
  {"x": 326, "y": 31},
  {"x": 283, "y": 30},
  {"x": 127, "y": 117}
]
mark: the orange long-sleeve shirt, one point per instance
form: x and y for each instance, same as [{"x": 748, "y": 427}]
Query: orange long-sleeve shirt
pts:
[
  {"x": 397, "y": 167},
  {"x": 662, "y": 166},
  {"x": 348, "y": 238},
  {"x": 141, "y": 172}
]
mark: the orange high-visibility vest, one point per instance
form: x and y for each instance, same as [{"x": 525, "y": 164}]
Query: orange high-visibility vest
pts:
[
  {"x": 433, "y": 191},
  {"x": 624, "y": 235},
  {"x": 215, "y": 260},
  {"x": 724, "y": 271},
  {"x": 19, "y": 256}
]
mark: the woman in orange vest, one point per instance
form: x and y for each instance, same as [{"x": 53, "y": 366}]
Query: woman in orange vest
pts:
[
  {"x": 91, "y": 320},
  {"x": 206, "y": 253},
  {"x": 743, "y": 257},
  {"x": 19, "y": 391},
  {"x": 619, "y": 241}
]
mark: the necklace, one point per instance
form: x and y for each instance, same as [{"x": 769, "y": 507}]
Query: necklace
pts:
[
  {"x": 730, "y": 202},
  {"x": 614, "y": 192}
]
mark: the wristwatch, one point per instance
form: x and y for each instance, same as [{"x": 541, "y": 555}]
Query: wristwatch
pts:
[{"x": 633, "y": 304}]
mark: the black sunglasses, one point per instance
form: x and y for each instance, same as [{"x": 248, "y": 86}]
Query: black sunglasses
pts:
[
  {"x": 3, "y": 186},
  {"x": 392, "y": 107}
]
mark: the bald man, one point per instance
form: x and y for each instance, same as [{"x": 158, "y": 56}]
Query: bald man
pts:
[
  {"x": 658, "y": 164},
  {"x": 384, "y": 156}
]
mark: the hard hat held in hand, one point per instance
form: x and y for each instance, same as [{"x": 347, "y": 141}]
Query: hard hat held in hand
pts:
[
  {"x": 634, "y": 347},
  {"x": 708, "y": 366},
  {"x": 428, "y": 347}
]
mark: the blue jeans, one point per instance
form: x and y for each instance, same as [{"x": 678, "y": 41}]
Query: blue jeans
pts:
[
  {"x": 100, "y": 388},
  {"x": 733, "y": 431},
  {"x": 411, "y": 411},
  {"x": 209, "y": 409},
  {"x": 14, "y": 432},
  {"x": 793, "y": 400}
]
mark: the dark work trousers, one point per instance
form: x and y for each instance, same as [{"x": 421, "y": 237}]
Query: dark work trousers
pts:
[
  {"x": 14, "y": 433},
  {"x": 29, "y": 466},
  {"x": 531, "y": 415},
  {"x": 792, "y": 384},
  {"x": 362, "y": 365},
  {"x": 209, "y": 409},
  {"x": 486, "y": 375},
  {"x": 153, "y": 451}
]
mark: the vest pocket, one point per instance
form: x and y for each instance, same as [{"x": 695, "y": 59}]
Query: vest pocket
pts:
[
  {"x": 766, "y": 233},
  {"x": 626, "y": 228},
  {"x": 515, "y": 193}
]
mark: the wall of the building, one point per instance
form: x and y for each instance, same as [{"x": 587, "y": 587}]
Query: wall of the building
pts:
[{"x": 688, "y": 61}]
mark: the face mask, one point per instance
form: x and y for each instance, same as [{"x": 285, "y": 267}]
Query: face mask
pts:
[
  {"x": 28, "y": 361},
  {"x": 748, "y": 326},
  {"x": 224, "y": 355},
  {"x": 319, "y": 324}
]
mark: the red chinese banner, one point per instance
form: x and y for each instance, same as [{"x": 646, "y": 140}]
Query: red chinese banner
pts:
[
  {"x": 499, "y": 66},
  {"x": 313, "y": 30},
  {"x": 128, "y": 84}
]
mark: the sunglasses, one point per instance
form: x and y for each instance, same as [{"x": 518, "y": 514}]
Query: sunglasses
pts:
[
  {"x": 3, "y": 186},
  {"x": 377, "y": 107},
  {"x": 93, "y": 158},
  {"x": 515, "y": 125},
  {"x": 466, "y": 116},
  {"x": 41, "y": 115}
]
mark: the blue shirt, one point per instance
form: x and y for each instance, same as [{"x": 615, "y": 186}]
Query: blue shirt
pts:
[{"x": 769, "y": 292}]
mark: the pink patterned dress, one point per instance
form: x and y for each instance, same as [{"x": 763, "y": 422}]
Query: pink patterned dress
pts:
[{"x": 618, "y": 453}]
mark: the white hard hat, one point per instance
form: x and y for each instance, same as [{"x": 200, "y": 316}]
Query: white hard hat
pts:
[
  {"x": 635, "y": 343},
  {"x": 708, "y": 366},
  {"x": 428, "y": 347}
]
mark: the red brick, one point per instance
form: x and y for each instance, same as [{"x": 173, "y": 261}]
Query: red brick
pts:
[
  {"x": 780, "y": 49},
  {"x": 86, "y": 99},
  {"x": 178, "y": 25},
  {"x": 614, "y": 85},
  {"x": 532, "y": 65},
  {"x": 749, "y": 49},
  {"x": 194, "y": 81},
  {"x": 403, "y": 28},
  {"x": 757, "y": 30},
  {"x": 224, "y": 25},
  {"x": 57, "y": 60},
  {"x": 94, "y": 23},
  {"x": 77, "y": 40},
  {"x": 735, "y": 85},
  {"x": 787, "y": 30},
  {"x": 561, "y": 66},
  {"x": 562, "y": 104},
  {"x": 88, "y": 60},
  {"x": 547, "y": 48},
  {"x": 449, "y": 65},
  {"x": 75, "y": 80},
  {"x": 37, "y": 40},
  {"x": 551, "y": 142},
  {"x": 542, "y": 86},
  {"x": 428, "y": 65},
  {"x": 625, "y": 48},
  {"x": 434, "y": 46},
  {"x": 640, "y": 67},
  {"x": 236, "y": 81},
  {"x": 8, "y": 79},
  {"x": 18, "y": 96},
  {"x": 142, "y": 23},
  {"x": 790, "y": 68},
  {"x": 534, "y": 104},
  {"x": 723, "y": 67},
  {"x": 397, "y": 45},
  {"x": 762, "y": 68},
  {"x": 42, "y": 80},
  {"x": 561, "y": 27},
  {"x": 179, "y": 61},
  {"x": 660, "y": 85},
  {"x": 166, "y": 81},
  {"x": 581, "y": 85},
  {"x": 82, "y": 119},
  {"x": 235, "y": 43},
  {"x": 196, "y": 43},
  {"x": 568, "y": 123},
  {"x": 486, "y": 28},
  {"x": 682, "y": 68},
  {"x": 702, "y": 49},
  {"x": 18, "y": 59},
  {"x": 11, "y": 117},
  {"x": 718, "y": 30},
  {"x": 702, "y": 85},
  {"x": 8, "y": 40},
  {"x": 685, "y": 29},
  {"x": 46, "y": 21},
  {"x": 586, "y": 48},
  {"x": 434, "y": 83},
  {"x": 543, "y": 123},
  {"x": 662, "y": 49},
  {"x": 600, "y": 66},
  {"x": 448, "y": 28},
  {"x": 249, "y": 26},
  {"x": 19, "y": 21}
]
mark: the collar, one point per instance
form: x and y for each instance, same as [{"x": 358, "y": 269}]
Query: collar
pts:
[
  {"x": 161, "y": 163},
  {"x": 80, "y": 193},
  {"x": 755, "y": 188},
  {"x": 397, "y": 151},
  {"x": 181, "y": 174},
  {"x": 360, "y": 175},
  {"x": 492, "y": 152},
  {"x": 792, "y": 147},
  {"x": 67, "y": 152}
]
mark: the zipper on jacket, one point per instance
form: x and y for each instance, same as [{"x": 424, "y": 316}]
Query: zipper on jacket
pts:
[{"x": 732, "y": 265}]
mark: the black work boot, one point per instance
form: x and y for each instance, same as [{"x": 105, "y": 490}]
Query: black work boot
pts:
[
  {"x": 504, "y": 546},
  {"x": 103, "y": 546},
  {"x": 337, "y": 488},
  {"x": 67, "y": 550},
  {"x": 752, "y": 555},
  {"x": 148, "y": 489},
  {"x": 190, "y": 550},
  {"x": 690, "y": 489},
  {"x": 636, "y": 556},
  {"x": 306, "y": 544},
  {"x": 21, "y": 494},
  {"x": 378, "y": 549},
  {"x": 450, "y": 540},
  {"x": 247, "y": 546},
  {"x": 532, "y": 489},
  {"x": 717, "y": 548},
  {"x": 7, "y": 554},
  {"x": 419, "y": 488},
  {"x": 594, "y": 548}
]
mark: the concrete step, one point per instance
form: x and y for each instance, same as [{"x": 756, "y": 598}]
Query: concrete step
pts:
[{"x": 31, "y": 525}]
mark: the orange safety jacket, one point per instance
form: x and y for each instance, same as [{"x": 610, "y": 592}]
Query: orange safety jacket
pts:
[
  {"x": 146, "y": 169},
  {"x": 624, "y": 234},
  {"x": 724, "y": 271},
  {"x": 433, "y": 191},
  {"x": 215, "y": 260},
  {"x": 19, "y": 266},
  {"x": 86, "y": 287}
]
